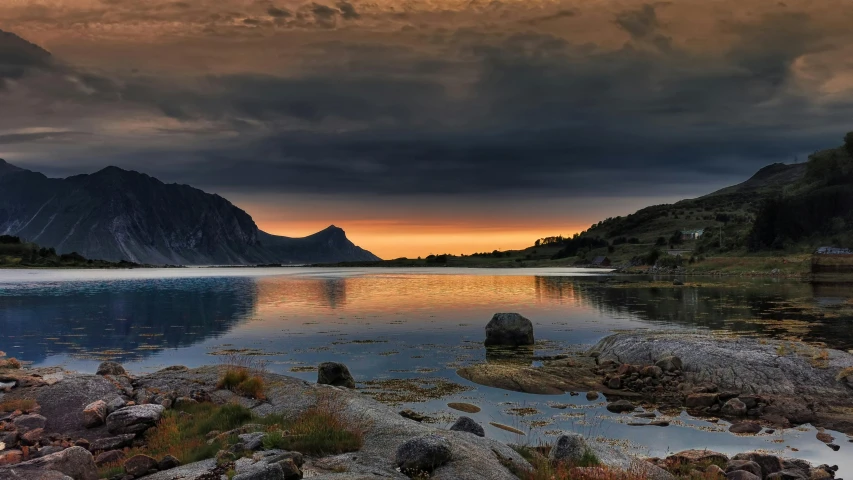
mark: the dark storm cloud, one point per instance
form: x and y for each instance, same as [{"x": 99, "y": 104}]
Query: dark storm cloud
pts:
[
  {"x": 279, "y": 12},
  {"x": 493, "y": 113},
  {"x": 348, "y": 11}
]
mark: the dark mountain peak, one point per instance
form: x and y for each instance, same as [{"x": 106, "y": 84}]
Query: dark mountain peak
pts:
[
  {"x": 6, "y": 167},
  {"x": 17, "y": 52}
]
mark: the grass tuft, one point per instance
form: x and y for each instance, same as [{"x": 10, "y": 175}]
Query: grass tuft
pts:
[
  {"x": 321, "y": 430},
  {"x": 24, "y": 405}
]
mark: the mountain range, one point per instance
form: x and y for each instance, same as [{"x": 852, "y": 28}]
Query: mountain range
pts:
[{"x": 115, "y": 214}]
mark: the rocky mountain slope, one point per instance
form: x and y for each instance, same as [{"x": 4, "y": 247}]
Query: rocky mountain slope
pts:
[{"x": 115, "y": 214}]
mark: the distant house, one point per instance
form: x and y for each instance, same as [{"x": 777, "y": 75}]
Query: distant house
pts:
[
  {"x": 601, "y": 262},
  {"x": 833, "y": 251},
  {"x": 692, "y": 234}
]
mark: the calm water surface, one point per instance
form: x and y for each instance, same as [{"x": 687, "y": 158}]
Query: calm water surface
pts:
[{"x": 412, "y": 324}]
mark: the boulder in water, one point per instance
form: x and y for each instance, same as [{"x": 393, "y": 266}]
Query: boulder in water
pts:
[{"x": 509, "y": 329}]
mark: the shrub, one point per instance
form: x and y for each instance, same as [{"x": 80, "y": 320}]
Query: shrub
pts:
[
  {"x": 232, "y": 378},
  {"x": 252, "y": 387}
]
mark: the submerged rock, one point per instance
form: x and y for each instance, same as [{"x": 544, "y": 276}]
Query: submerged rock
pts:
[
  {"x": 336, "y": 374},
  {"x": 509, "y": 329}
]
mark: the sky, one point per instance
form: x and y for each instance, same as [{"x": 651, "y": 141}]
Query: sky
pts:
[{"x": 432, "y": 126}]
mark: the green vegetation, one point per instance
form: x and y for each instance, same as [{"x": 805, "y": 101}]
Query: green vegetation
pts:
[
  {"x": 240, "y": 381},
  {"x": 184, "y": 432},
  {"x": 15, "y": 253}
]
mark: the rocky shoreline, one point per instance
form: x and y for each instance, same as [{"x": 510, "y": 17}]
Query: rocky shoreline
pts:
[{"x": 56, "y": 425}]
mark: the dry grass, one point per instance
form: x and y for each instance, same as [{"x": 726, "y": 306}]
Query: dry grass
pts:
[
  {"x": 24, "y": 405},
  {"x": 243, "y": 375},
  {"x": 325, "y": 429}
]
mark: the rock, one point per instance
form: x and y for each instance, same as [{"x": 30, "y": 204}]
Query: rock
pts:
[
  {"x": 276, "y": 456},
  {"x": 701, "y": 400},
  {"x": 112, "y": 443},
  {"x": 652, "y": 371},
  {"x": 686, "y": 457},
  {"x": 592, "y": 396},
  {"x": 509, "y": 329},
  {"x": 10, "y": 457},
  {"x": 569, "y": 449},
  {"x": 34, "y": 474},
  {"x": 423, "y": 454},
  {"x": 252, "y": 441},
  {"x": 9, "y": 439},
  {"x": 25, "y": 423},
  {"x": 614, "y": 383},
  {"x": 734, "y": 408},
  {"x": 110, "y": 456},
  {"x": 95, "y": 414},
  {"x": 786, "y": 475},
  {"x": 111, "y": 368},
  {"x": 745, "y": 465},
  {"x": 833, "y": 446},
  {"x": 134, "y": 419},
  {"x": 714, "y": 471},
  {"x": 741, "y": 475},
  {"x": 678, "y": 283},
  {"x": 768, "y": 463},
  {"x": 464, "y": 407},
  {"x": 139, "y": 465},
  {"x": 413, "y": 415},
  {"x": 333, "y": 373},
  {"x": 32, "y": 437},
  {"x": 824, "y": 437},
  {"x": 745, "y": 428},
  {"x": 290, "y": 468},
  {"x": 621, "y": 406},
  {"x": 168, "y": 462},
  {"x": 116, "y": 403},
  {"x": 265, "y": 471},
  {"x": 669, "y": 363},
  {"x": 466, "y": 424},
  {"x": 74, "y": 462}
]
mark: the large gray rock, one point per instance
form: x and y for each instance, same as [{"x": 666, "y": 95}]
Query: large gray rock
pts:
[
  {"x": 768, "y": 463},
  {"x": 569, "y": 449},
  {"x": 112, "y": 443},
  {"x": 32, "y": 474},
  {"x": 134, "y": 419},
  {"x": 203, "y": 470},
  {"x": 423, "y": 454},
  {"x": 509, "y": 329},
  {"x": 75, "y": 462},
  {"x": 467, "y": 424},
  {"x": 62, "y": 403},
  {"x": 336, "y": 374},
  {"x": 26, "y": 423},
  {"x": 732, "y": 363},
  {"x": 263, "y": 471}
]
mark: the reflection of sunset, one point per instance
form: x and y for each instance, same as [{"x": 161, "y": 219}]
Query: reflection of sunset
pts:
[{"x": 294, "y": 299}]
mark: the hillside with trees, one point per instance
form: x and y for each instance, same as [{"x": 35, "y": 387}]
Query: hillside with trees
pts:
[{"x": 15, "y": 253}]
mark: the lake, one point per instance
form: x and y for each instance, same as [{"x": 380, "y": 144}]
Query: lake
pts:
[{"x": 404, "y": 332}]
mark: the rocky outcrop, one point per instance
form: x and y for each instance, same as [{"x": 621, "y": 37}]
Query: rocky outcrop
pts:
[
  {"x": 552, "y": 378},
  {"x": 783, "y": 383},
  {"x": 509, "y": 329},
  {"x": 473, "y": 457}
]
